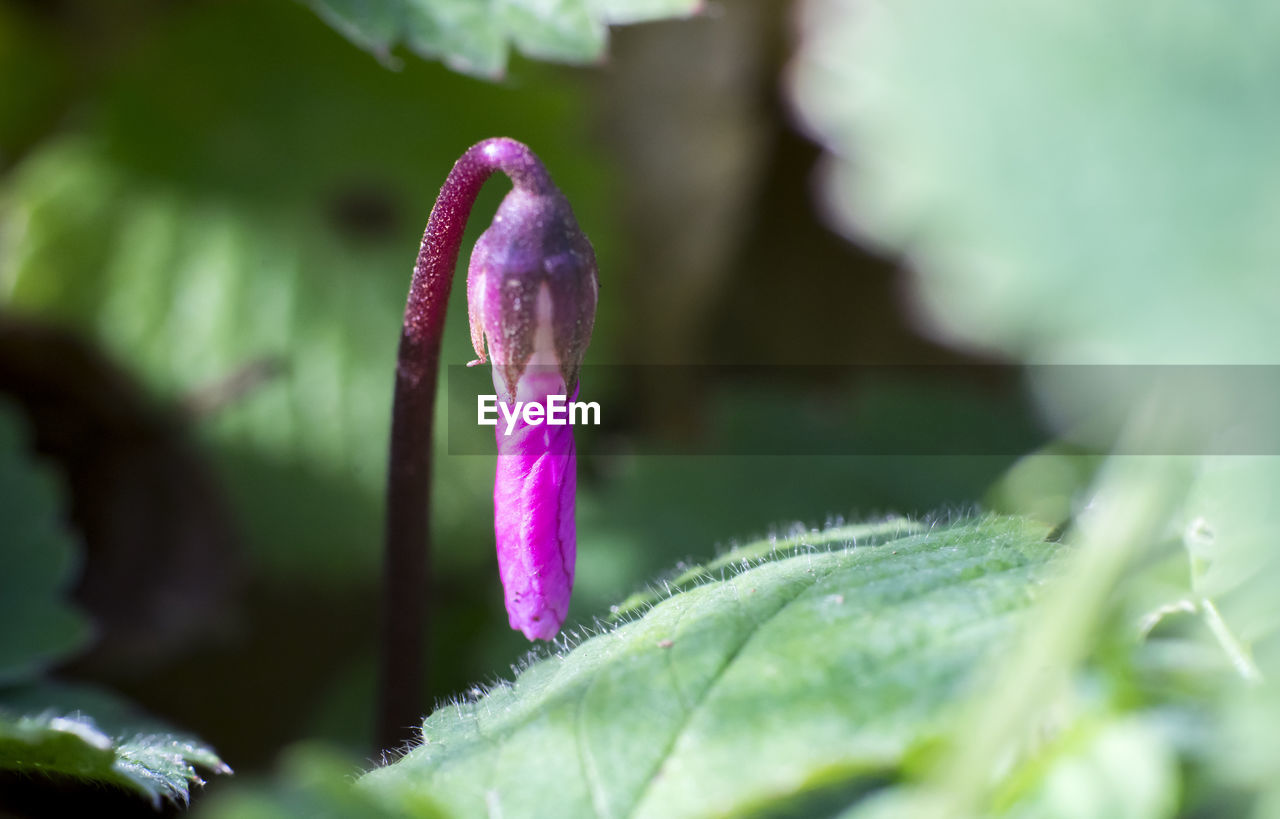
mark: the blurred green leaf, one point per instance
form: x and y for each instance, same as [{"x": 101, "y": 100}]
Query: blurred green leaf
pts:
[
  {"x": 39, "y": 562},
  {"x": 1049, "y": 485},
  {"x": 838, "y": 659},
  {"x": 1229, "y": 527},
  {"x": 89, "y": 735},
  {"x": 1103, "y": 766},
  {"x": 314, "y": 781},
  {"x": 1091, "y": 181},
  {"x": 1121, "y": 767},
  {"x": 474, "y": 37}
]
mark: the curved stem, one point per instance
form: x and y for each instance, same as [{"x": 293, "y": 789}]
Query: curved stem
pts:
[{"x": 406, "y": 575}]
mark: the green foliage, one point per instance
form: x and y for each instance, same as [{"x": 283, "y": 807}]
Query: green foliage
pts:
[
  {"x": 1229, "y": 521},
  {"x": 1092, "y": 182},
  {"x": 85, "y": 734},
  {"x": 1100, "y": 766},
  {"x": 39, "y": 559},
  {"x": 316, "y": 782},
  {"x": 839, "y": 659},
  {"x": 1065, "y": 177},
  {"x": 741, "y": 557},
  {"x": 474, "y": 37},
  {"x": 1124, "y": 766},
  {"x": 199, "y": 236},
  {"x": 56, "y": 730}
]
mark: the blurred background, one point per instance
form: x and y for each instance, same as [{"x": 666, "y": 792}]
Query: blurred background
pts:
[{"x": 208, "y": 217}]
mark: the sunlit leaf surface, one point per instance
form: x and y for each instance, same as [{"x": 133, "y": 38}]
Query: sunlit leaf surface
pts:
[
  {"x": 88, "y": 735},
  {"x": 792, "y": 676}
]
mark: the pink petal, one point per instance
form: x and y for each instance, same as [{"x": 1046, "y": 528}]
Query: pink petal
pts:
[{"x": 533, "y": 507}]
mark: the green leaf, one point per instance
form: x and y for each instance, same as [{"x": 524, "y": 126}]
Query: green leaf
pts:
[
  {"x": 314, "y": 781},
  {"x": 1122, "y": 767},
  {"x": 39, "y": 562},
  {"x": 474, "y": 37},
  {"x": 858, "y": 534},
  {"x": 799, "y": 679},
  {"x": 1096, "y": 182},
  {"x": 86, "y": 734},
  {"x": 1070, "y": 180},
  {"x": 1098, "y": 766},
  {"x": 1229, "y": 531}
]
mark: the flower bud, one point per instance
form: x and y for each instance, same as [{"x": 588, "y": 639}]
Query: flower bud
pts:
[
  {"x": 531, "y": 293},
  {"x": 531, "y": 289}
]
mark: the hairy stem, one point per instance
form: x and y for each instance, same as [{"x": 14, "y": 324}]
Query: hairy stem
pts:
[{"x": 406, "y": 564}]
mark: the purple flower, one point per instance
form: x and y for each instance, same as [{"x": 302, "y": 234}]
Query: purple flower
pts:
[{"x": 531, "y": 294}]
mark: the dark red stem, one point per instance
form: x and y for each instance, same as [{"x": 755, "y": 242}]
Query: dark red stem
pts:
[{"x": 406, "y": 563}]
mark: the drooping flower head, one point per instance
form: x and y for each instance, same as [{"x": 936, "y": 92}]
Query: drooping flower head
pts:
[{"x": 531, "y": 296}]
